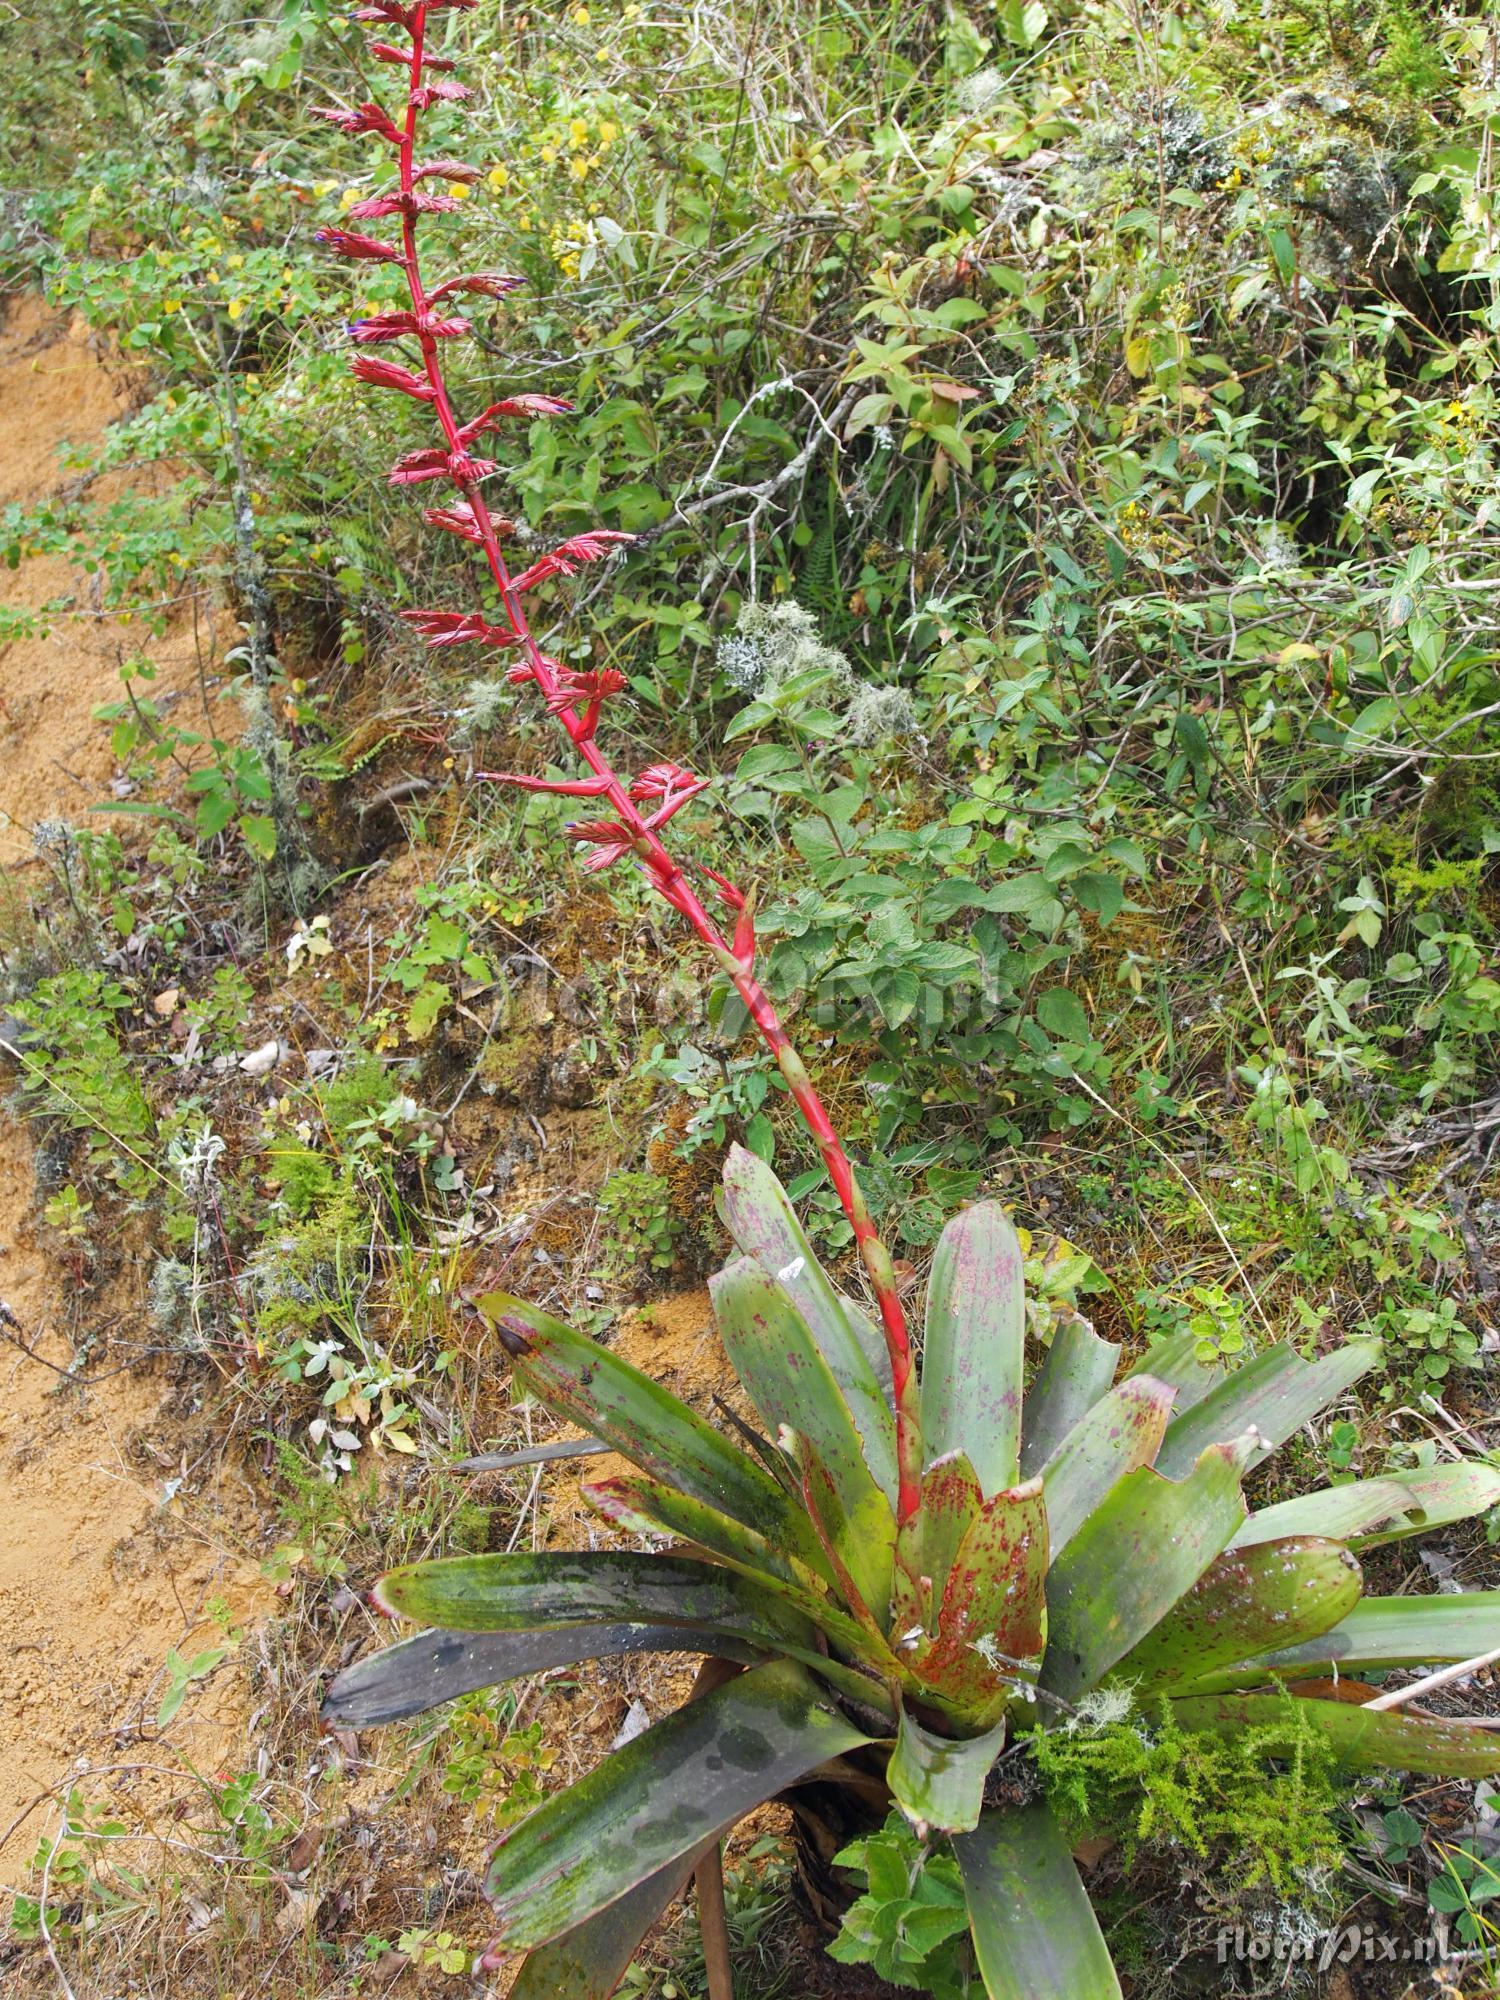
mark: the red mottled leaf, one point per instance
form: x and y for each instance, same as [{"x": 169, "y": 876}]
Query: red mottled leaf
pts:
[{"x": 991, "y": 1623}]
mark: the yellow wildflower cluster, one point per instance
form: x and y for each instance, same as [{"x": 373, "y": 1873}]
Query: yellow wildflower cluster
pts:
[
  {"x": 1144, "y": 536},
  {"x": 1459, "y": 424},
  {"x": 567, "y": 244},
  {"x": 577, "y": 147}
]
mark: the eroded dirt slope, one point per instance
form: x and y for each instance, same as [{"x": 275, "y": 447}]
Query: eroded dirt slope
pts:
[{"x": 105, "y": 1561}]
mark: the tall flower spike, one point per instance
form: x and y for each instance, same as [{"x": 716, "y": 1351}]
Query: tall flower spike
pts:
[{"x": 576, "y": 696}]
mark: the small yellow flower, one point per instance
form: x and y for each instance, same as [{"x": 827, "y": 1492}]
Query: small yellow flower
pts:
[
  {"x": 578, "y": 133},
  {"x": 581, "y": 17},
  {"x": 609, "y": 131},
  {"x": 458, "y": 190},
  {"x": 236, "y": 308},
  {"x": 549, "y": 154},
  {"x": 171, "y": 305},
  {"x": 236, "y": 262},
  {"x": 579, "y": 169},
  {"x": 499, "y": 177}
]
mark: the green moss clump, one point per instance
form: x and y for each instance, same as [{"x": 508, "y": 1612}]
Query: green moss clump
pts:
[{"x": 1264, "y": 1802}]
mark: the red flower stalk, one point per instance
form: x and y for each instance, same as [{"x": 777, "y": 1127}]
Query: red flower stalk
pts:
[{"x": 575, "y": 697}]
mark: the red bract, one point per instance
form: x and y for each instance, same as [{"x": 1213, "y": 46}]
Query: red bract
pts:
[
  {"x": 397, "y": 325},
  {"x": 590, "y": 687},
  {"x": 447, "y": 170},
  {"x": 461, "y": 519},
  {"x": 575, "y": 696},
  {"x": 368, "y": 118},
  {"x": 459, "y": 628},
  {"x": 589, "y": 548},
  {"x": 348, "y": 244},
  {"x": 413, "y": 467},
  {"x": 390, "y": 375},
  {"x": 493, "y": 285},
  {"x": 404, "y": 204},
  {"x": 660, "y": 781},
  {"x": 428, "y": 94}
]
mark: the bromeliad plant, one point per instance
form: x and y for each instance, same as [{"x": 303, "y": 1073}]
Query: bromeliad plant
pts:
[{"x": 901, "y": 1577}]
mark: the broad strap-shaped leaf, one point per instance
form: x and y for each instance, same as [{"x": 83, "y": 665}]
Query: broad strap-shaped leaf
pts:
[
  {"x": 588, "y": 1962},
  {"x": 927, "y": 1543},
  {"x": 973, "y": 1349},
  {"x": 601, "y": 1392},
  {"x": 1367, "y": 1512},
  {"x": 1175, "y": 1361},
  {"x": 991, "y": 1622},
  {"x": 938, "y": 1781},
  {"x": 433, "y": 1667},
  {"x": 520, "y": 1592},
  {"x": 1035, "y": 1933},
  {"x": 685, "y": 1781},
  {"x": 773, "y": 1353},
  {"x": 821, "y": 1497},
  {"x": 1363, "y": 1739},
  {"x": 1137, "y": 1555},
  {"x": 641, "y": 1505},
  {"x": 1076, "y": 1371},
  {"x": 1275, "y": 1394},
  {"x": 1246, "y": 1602},
  {"x": 1383, "y": 1632},
  {"x": 1122, "y": 1432},
  {"x": 764, "y": 1224}
]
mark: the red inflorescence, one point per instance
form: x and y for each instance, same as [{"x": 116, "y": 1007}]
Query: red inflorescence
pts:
[{"x": 576, "y": 696}]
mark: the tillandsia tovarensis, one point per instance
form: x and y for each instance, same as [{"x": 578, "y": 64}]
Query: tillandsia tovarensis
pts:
[
  {"x": 897, "y": 1581},
  {"x": 640, "y": 808}
]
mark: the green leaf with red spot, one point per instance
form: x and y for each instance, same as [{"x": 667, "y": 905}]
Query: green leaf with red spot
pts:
[
  {"x": 974, "y": 1346},
  {"x": 588, "y": 1962},
  {"x": 762, "y": 1221},
  {"x": 1175, "y": 1362},
  {"x": 1383, "y": 1632},
  {"x": 774, "y": 1354},
  {"x": 991, "y": 1623},
  {"x": 1132, "y": 1561},
  {"x": 1122, "y": 1432},
  {"x": 926, "y": 1544},
  {"x": 522, "y": 1592},
  {"x": 1247, "y": 1602},
  {"x": 1368, "y": 1512},
  {"x": 433, "y": 1667},
  {"x": 1076, "y": 1371},
  {"x": 1276, "y": 1393},
  {"x": 642, "y": 1505},
  {"x": 601, "y": 1392},
  {"x": 938, "y": 1781}
]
